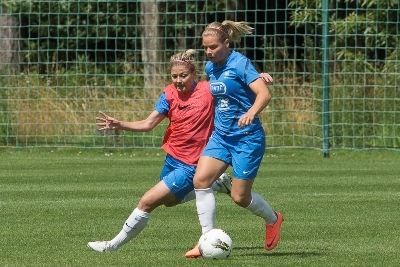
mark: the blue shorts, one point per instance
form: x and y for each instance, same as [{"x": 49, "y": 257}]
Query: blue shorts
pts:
[
  {"x": 178, "y": 176},
  {"x": 244, "y": 154}
]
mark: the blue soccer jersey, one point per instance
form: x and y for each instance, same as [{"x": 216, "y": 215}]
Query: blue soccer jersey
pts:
[{"x": 232, "y": 97}]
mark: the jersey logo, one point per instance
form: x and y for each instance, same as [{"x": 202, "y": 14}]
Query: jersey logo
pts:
[
  {"x": 218, "y": 88},
  {"x": 184, "y": 106}
]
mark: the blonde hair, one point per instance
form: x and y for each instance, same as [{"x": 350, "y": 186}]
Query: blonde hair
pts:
[
  {"x": 186, "y": 58},
  {"x": 228, "y": 30}
]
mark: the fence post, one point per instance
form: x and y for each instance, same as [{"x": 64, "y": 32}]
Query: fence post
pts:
[{"x": 325, "y": 78}]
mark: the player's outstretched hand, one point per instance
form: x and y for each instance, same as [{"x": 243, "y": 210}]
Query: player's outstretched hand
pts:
[
  {"x": 266, "y": 77},
  {"x": 107, "y": 122}
]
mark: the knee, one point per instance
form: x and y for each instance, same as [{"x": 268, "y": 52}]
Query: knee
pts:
[
  {"x": 145, "y": 205},
  {"x": 203, "y": 182},
  {"x": 241, "y": 200}
]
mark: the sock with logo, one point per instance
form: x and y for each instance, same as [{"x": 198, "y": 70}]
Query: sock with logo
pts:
[
  {"x": 258, "y": 206},
  {"x": 205, "y": 203},
  {"x": 135, "y": 223}
]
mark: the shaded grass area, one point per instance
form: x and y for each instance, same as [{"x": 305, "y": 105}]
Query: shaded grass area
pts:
[{"x": 341, "y": 211}]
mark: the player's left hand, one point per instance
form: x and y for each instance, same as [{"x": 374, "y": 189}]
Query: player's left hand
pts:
[{"x": 245, "y": 120}]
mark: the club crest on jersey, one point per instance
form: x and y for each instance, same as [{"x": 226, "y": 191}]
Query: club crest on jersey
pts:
[
  {"x": 218, "y": 88},
  {"x": 223, "y": 104}
]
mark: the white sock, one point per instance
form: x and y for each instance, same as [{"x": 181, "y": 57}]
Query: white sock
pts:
[
  {"x": 192, "y": 195},
  {"x": 135, "y": 223},
  {"x": 258, "y": 206},
  {"x": 205, "y": 203}
]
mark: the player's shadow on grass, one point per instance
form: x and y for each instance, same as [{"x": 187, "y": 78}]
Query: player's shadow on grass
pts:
[{"x": 278, "y": 254}]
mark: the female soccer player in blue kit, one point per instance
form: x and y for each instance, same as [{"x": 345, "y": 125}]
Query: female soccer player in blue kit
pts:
[
  {"x": 238, "y": 138},
  {"x": 189, "y": 107}
]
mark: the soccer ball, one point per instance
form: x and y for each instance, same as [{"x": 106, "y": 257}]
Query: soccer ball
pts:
[{"x": 215, "y": 244}]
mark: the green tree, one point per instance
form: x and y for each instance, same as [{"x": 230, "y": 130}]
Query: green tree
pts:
[
  {"x": 63, "y": 31},
  {"x": 359, "y": 30}
]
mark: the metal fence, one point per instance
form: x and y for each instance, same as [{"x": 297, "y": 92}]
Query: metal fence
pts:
[{"x": 335, "y": 66}]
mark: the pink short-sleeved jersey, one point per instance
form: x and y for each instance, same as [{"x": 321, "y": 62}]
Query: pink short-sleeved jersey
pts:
[{"x": 191, "y": 122}]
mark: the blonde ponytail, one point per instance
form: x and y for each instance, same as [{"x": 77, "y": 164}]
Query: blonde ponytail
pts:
[{"x": 228, "y": 30}]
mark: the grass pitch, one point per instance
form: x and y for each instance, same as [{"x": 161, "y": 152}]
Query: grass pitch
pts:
[{"x": 340, "y": 211}]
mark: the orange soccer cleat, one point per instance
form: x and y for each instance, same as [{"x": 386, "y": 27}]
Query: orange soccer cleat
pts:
[
  {"x": 273, "y": 233},
  {"x": 194, "y": 252}
]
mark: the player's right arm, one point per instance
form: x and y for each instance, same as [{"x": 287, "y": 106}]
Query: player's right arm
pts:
[{"x": 146, "y": 125}]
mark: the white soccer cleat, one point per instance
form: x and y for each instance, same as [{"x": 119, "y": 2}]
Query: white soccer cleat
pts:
[
  {"x": 225, "y": 184},
  {"x": 101, "y": 246}
]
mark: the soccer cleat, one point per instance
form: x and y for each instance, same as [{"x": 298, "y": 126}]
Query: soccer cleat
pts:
[
  {"x": 101, "y": 246},
  {"x": 194, "y": 252},
  {"x": 225, "y": 183},
  {"x": 273, "y": 232}
]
